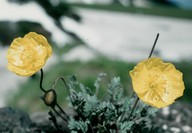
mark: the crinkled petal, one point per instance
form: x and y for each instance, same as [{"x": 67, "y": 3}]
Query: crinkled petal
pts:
[
  {"x": 28, "y": 55},
  {"x": 157, "y": 83},
  {"x": 41, "y": 40}
]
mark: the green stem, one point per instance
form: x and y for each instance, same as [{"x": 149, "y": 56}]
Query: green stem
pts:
[
  {"x": 134, "y": 106},
  {"x": 154, "y": 44},
  {"x": 41, "y": 81},
  {"x": 68, "y": 90},
  {"x": 137, "y": 100},
  {"x": 65, "y": 84},
  {"x": 59, "y": 114},
  {"x": 67, "y": 117}
]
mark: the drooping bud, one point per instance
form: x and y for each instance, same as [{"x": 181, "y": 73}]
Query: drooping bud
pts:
[{"x": 50, "y": 98}]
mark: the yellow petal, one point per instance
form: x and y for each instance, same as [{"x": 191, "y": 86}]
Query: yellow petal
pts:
[
  {"x": 28, "y": 55},
  {"x": 41, "y": 40},
  {"x": 157, "y": 83}
]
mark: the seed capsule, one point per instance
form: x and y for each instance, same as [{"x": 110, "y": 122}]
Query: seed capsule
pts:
[{"x": 50, "y": 98}]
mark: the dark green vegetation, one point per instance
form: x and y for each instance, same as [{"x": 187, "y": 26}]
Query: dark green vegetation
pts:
[
  {"x": 27, "y": 97},
  {"x": 155, "y": 10}
]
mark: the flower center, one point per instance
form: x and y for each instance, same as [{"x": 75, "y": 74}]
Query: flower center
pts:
[
  {"x": 29, "y": 57},
  {"x": 157, "y": 85}
]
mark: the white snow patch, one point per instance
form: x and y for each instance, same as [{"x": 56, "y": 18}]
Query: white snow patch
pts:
[
  {"x": 31, "y": 12},
  {"x": 79, "y": 53},
  {"x": 130, "y": 36}
]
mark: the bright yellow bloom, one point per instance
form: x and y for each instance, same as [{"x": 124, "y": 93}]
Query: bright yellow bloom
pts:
[
  {"x": 29, "y": 54},
  {"x": 157, "y": 83}
]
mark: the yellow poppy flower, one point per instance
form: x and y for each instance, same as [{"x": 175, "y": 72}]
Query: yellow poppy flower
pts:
[
  {"x": 157, "y": 83},
  {"x": 29, "y": 54}
]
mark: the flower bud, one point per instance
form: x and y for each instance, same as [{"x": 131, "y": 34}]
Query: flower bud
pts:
[{"x": 50, "y": 98}]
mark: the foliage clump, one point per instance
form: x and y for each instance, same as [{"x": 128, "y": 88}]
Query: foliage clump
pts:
[{"x": 111, "y": 115}]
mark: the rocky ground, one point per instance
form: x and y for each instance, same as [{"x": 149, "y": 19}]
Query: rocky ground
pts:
[
  {"x": 173, "y": 119},
  {"x": 176, "y": 118}
]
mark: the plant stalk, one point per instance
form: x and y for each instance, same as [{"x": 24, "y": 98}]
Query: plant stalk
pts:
[
  {"x": 137, "y": 100},
  {"x": 41, "y": 81}
]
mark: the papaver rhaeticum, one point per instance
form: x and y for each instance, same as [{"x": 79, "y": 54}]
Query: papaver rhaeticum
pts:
[
  {"x": 29, "y": 54},
  {"x": 157, "y": 83}
]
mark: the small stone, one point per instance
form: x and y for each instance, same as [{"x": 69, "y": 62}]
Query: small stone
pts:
[
  {"x": 186, "y": 128},
  {"x": 178, "y": 119},
  {"x": 175, "y": 129},
  {"x": 165, "y": 127},
  {"x": 166, "y": 111},
  {"x": 174, "y": 111}
]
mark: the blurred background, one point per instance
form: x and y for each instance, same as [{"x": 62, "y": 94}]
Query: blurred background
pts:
[{"x": 93, "y": 36}]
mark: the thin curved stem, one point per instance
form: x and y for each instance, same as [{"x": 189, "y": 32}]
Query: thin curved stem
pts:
[
  {"x": 59, "y": 114},
  {"x": 54, "y": 120},
  {"x": 62, "y": 111},
  {"x": 91, "y": 127},
  {"x": 66, "y": 86},
  {"x": 134, "y": 106},
  {"x": 137, "y": 100},
  {"x": 41, "y": 81}
]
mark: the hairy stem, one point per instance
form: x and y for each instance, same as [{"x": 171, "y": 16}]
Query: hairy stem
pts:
[
  {"x": 41, "y": 81},
  {"x": 154, "y": 44},
  {"x": 59, "y": 114},
  {"x": 65, "y": 84},
  {"x": 67, "y": 117},
  {"x": 68, "y": 90},
  {"x": 137, "y": 100}
]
